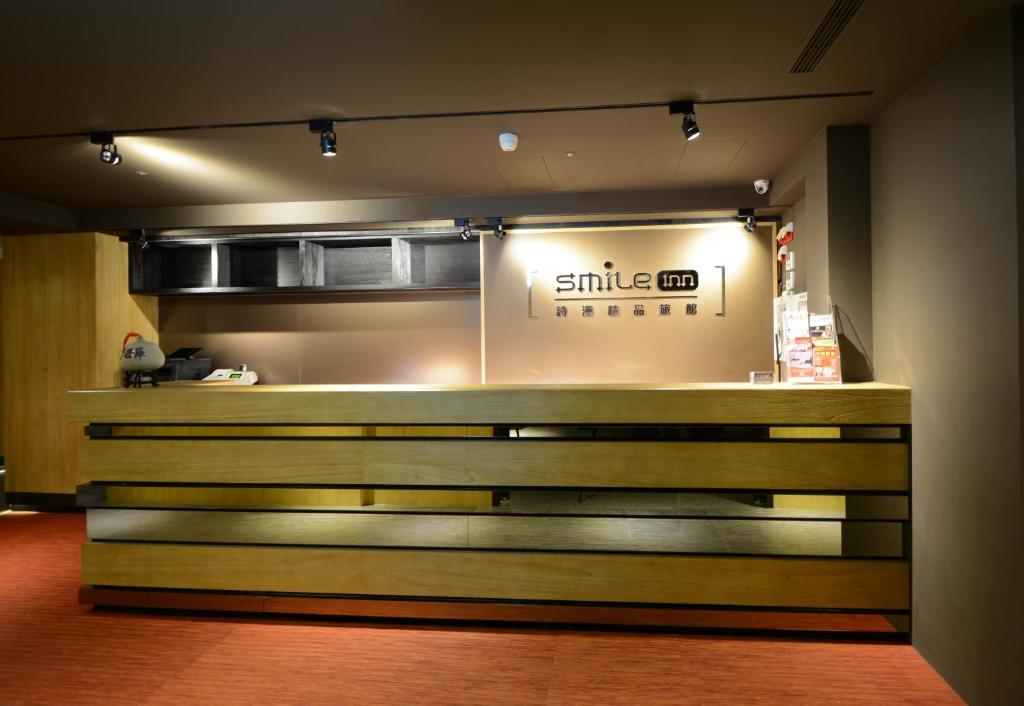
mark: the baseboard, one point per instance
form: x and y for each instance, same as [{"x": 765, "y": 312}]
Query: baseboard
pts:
[
  {"x": 49, "y": 502},
  {"x": 860, "y": 626}
]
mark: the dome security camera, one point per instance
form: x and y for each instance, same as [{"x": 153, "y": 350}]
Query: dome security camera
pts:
[
  {"x": 508, "y": 141},
  {"x": 761, "y": 186}
]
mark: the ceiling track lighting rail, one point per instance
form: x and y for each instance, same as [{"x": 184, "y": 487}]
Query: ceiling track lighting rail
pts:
[
  {"x": 642, "y": 222},
  {"x": 436, "y": 116},
  {"x": 460, "y": 227}
]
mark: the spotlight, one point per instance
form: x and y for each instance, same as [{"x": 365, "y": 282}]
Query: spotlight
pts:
[
  {"x": 329, "y": 144},
  {"x": 499, "y": 229},
  {"x": 686, "y": 109},
  {"x": 690, "y": 128},
  {"x": 108, "y": 150},
  {"x": 466, "y": 233},
  {"x": 328, "y": 140},
  {"x": 746, "y": 216}
]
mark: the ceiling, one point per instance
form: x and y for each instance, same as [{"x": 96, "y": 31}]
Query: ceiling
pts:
[{"x": 71, "y": 66}]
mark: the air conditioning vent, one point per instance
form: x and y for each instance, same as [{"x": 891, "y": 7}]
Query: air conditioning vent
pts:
[{"x": 832, "y": 24}]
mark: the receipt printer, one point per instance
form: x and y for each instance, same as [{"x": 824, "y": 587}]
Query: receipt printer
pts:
[
  {"x": 242, "y": 376},
  {"x": 182, "y": 364}
]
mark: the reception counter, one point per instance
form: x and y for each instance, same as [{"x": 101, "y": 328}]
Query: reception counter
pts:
[{"x": 615, "y": 504}]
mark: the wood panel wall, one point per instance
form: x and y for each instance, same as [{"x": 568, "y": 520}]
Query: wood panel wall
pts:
[{"x": 65, "y": 310}]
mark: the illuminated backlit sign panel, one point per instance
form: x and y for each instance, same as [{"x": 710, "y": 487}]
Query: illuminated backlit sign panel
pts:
[{"x": 672, "y": 304}]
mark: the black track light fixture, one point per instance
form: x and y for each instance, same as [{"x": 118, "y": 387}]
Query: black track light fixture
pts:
[
  {"x": 749, "y": 220},
  {"x": 496, "y": 225},
  {"x": 687, "y": 110},
  {"x": 328, "y": 140},
  {"x": 108, "y": 150},
  {"x": 690, "y": 128},
  {"x": 136, "y": 236},
  {"x": 466, "y": 232}
]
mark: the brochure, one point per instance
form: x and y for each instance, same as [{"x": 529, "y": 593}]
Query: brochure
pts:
[
  {"x": 826, "y": 364},
  {"x": 822, "y": 330},
  {"x": 800, "y": 360}
]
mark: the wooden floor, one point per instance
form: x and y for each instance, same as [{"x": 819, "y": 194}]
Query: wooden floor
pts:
[{"x": 53, "y": 651}]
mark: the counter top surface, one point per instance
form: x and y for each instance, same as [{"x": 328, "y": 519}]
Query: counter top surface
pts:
[
  {"x": 674, "y": 387},
  {"x": 690, "y": 403}
]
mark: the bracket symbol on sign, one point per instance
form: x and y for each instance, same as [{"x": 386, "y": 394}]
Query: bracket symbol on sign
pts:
[
  {"x": 529, "y": 295},
  {"x": 722, "y": 268}
]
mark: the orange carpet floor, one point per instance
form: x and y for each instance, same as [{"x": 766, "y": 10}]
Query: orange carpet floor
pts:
[{"x": 54, "y": 651}]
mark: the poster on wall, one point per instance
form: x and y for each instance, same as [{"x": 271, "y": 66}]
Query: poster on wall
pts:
[{"x": 652, "y": 305}]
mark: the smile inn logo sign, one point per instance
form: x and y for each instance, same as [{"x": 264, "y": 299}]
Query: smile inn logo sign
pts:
[
  {"x": 677, "y": 280},
  {"x": 611, "y": 280},
  {"x": 613, "y": 285}
]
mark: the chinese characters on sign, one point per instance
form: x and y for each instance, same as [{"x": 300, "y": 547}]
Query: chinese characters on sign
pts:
[{"x": 587, "y": 310}]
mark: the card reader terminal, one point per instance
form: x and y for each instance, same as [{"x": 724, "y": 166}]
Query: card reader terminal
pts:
[{"x": 242, "y": 376}]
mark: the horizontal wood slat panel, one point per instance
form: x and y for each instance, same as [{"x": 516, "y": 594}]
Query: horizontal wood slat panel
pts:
[
  {"x": 237, "y": 497},
  {"x": 277, "y": 497},
  {"x": 122, "y": 430},
  {"x": 602, "y": 534},
  {"x": 219, "y": 497},
  {"x": 740, "y": 581},
  {"x": 136, "y": 430},
  {"x": 592, "y": 464},
  {"x": 737, "y": 403},
  {"x": 430, "y": 498}
]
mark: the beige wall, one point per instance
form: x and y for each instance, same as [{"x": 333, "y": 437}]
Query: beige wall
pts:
[
  {"x": 420, "y": 338},
  {"x": 796, "y": 214},
  {"x": 652, "y": 348},
  {"x": 804, "y": 181},
  {"x": 946, "y": 288},
  {"x": 827, "y": 187}
]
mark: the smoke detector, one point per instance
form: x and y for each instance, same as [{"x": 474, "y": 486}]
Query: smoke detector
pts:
[{"x": 508, "y": 141}]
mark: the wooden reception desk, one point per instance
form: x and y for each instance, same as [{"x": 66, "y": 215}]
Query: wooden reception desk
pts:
[{"x": 386, "y": 500}]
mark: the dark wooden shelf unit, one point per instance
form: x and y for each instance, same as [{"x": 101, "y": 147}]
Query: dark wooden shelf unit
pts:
[{"x": 318, "y": 263}]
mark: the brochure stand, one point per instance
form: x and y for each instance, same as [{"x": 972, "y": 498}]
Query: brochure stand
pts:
[{"x": 806, "y": 346}]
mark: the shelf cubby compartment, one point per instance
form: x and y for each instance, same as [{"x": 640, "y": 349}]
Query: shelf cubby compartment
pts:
[
  {"x": 174, "y": 267},
  {"x": 363, "y": 263},
  {"x": 260, "y": 265},
  {"x": 443, "y": 261}
]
